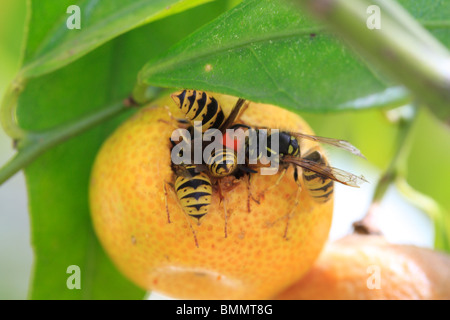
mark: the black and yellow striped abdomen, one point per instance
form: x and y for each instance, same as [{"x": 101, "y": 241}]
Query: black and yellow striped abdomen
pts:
[
  {"x": 319, "y": 187},
  {"x": 200, "y": 106},
  {"x": 222, "y": 163},
  {"x": 194, "y": 191}
]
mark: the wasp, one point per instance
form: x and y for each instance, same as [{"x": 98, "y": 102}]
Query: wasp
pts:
[
  {"x": 318, "y": 176},
  {"x": 222, "y": 163},
  {"x": 193, "y": 190},
  {"x": 289, "y": 153},
  {"x": 319, "y": 186},
  {"x": 194, "y": 183},
  {"x": 203, "y": 107}
]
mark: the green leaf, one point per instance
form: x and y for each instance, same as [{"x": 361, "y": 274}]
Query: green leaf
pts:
[
  {"x": 266, "y": 51},
  {"x": 399, "y": 47},
  {"x": 433, "y": 15},
  {"x": 54, "y": 45},
  {"x": 57, "y": 182},
  {"x": 270, "y": 52},
  {"x": 428, "y": 170}
]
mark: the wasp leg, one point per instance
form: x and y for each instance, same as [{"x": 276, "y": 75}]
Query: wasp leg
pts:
[
  {"x": 165, "y": 198},
  {"x": 287, "y": 216},
  {"x": 250, "y": 193},
  {"x": 261, "y": 194},
  {"x": 233, "y": 115},
  {"x": 291, "y": 213},
  {"x": 243, "y": 109},
  {"x": 222, "y": 199},
  {"x": 230, "y": 182},
  {"x": 192, "y": 229},
  {"x": 297, "y": 194},
  {"x": 185, "y": 215}
]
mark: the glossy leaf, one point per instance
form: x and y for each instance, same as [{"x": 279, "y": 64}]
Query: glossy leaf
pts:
[
  {"x": 269, "y": 51},
  {"x": 57, "y": 182},
  {"x": 54, "y": 45},
  {"x": 266, "y": 51}
]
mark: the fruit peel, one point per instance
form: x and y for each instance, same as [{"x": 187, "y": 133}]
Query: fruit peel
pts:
[{"x": 250, "y": 260}]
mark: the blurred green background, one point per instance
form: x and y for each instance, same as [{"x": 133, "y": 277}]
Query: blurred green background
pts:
[
  {"x": 370, "y": 131},
  {"x": 15, "y": 250}
]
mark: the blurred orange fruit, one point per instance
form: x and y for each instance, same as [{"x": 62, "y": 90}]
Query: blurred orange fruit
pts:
[
  {"x": 265, "y": 247},
  {"x": 368, "y": 267}
]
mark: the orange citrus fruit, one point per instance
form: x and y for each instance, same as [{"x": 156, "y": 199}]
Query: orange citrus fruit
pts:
[
  {"x": 252, "y": 251},
  {"x": 368, "y": 267}
]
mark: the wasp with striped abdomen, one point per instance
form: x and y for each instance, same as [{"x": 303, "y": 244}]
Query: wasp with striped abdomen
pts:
[
  {"x": 193, "y": 190},
  {"x": 203, "y": 107},
  {"x": 288, "y": 153},
  {"x": 194, "y": 182},
  {"x": 222, "y": 163},
  {"x": 318, "y": 177},
  {"x": 319, "y": 186}
]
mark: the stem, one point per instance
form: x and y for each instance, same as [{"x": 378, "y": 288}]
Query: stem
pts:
[
  {"x": 8, "y": 110},
  {"x": 398, "y": 165},
  {"x": 401, "y": 48},
  {"x": 405, "y": 117},
  {"x": 410, "y": 25},
  {"x": 143, "y": 94},
  {"x": 436, "y": 24},
  {"x": 33, "y": 144},
  {"x": 436, "y": 213}
]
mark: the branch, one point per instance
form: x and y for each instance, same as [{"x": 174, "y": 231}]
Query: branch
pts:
[
  {"x": 32, "y": 144},
  {"x": 405, "y": 117},
  {"x": 401, "y": 48},
  {"x": 434, "y": 211},
  {"x": 8, "y": 110}
]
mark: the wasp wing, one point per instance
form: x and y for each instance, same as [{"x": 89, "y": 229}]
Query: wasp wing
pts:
[
  {"x": 325, "y": 171},
  {"x": 233, "y": 115},
  {"x": 342, "y": 144}
]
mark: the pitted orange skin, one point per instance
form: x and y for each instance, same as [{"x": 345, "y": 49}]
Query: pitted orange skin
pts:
[
  {"x": 252, "y": 259},
  {"x": 363, "y": 267}
]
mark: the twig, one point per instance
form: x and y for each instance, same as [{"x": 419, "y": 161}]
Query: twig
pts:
[
  {"x": 405, "y": 117},
  {"x": 401, "y": 48},
  {"x": 32, "y": 144},
  {"x": 435, "y": 212}
]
